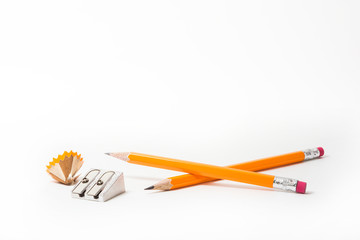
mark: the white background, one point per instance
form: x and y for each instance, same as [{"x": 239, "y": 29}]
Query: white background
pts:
[{"x": 218, "y": 82}]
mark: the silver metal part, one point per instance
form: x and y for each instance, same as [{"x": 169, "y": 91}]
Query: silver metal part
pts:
[
  {"x": 101, "y": 187},
  {"x": 287, "y": 184},
  {"x": 311, "y": 153},
  {"x": 80, "y": 188},
  {"x": 100, "y": 184}
]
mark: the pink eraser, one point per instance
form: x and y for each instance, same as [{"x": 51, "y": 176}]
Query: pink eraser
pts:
[
  {"x": 301, "y": 187},
  {"x": 321, "y": 150}
]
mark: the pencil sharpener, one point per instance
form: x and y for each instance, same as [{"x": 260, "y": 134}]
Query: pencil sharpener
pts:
[{"x": 99, "y": 185}]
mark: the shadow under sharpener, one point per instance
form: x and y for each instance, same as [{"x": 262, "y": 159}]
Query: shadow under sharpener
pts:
[{"x": 99, "y": 185}]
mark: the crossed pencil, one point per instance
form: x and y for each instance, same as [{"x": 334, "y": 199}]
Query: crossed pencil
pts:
[{"x": 244, "y": 172}]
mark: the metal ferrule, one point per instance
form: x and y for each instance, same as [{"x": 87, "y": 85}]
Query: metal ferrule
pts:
[
  {"x": 311, "y": 153},
  {"x": 286, "y": 184}
]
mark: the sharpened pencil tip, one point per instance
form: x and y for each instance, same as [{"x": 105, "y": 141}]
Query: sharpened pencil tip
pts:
[
  {"x": 149, "y": 188},
  {"x": 120, "y": 155}
]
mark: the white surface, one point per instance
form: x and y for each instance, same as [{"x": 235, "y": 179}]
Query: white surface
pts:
[{"x": 219, "y": 82}]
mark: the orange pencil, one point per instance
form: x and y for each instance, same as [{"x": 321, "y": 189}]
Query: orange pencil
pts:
[
  {"x": 186, "y": 180},
  {"x": 212, "y": 171}
]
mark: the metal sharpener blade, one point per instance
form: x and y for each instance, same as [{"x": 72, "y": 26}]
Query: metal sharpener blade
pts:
[{"x": 99, "y": 185}]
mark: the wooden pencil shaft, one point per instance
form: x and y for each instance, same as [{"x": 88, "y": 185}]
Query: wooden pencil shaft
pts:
[
  {"x": 206, "y": 170},
  {"x": 256, "y": 165}
]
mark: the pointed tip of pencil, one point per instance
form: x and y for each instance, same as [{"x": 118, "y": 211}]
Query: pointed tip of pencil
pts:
[
  {"x": 150, "y": 188},
  {"x": 120, "y": 155}
]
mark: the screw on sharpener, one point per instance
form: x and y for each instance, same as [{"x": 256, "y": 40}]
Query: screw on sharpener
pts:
[
  {"x": 99, "y": 185},
  {"x": 80, "y": 188}
]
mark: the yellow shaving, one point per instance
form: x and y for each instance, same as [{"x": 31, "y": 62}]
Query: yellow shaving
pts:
[{"x": 62, "y": 157}]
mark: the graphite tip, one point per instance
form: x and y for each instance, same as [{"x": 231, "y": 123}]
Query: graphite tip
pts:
[{"x": 149, "y": 188}]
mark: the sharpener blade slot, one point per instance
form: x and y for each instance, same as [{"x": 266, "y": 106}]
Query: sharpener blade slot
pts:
[
  {"x": 100, "y": 184},
  {"x": 84, "y": 183}
]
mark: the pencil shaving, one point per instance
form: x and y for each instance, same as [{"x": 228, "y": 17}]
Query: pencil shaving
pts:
[{"x": 64, "y": 168}]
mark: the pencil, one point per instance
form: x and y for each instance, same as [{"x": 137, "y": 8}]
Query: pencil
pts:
[
  {"x": 212, "y": 171},
  {"x": 186, "y": 180}
]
